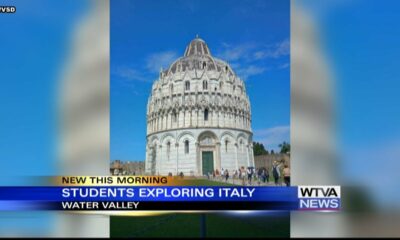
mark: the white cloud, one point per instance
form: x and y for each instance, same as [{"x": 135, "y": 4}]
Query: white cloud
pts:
[
  {"x": 253, "y": 52},
  {"x": 234, "y": 53},
  {"x": 283, "y": 66},
  {"x": 272, "y": 137},
  {"x": 274, "y": 51},
  {"x": 128, "y": 73},
  {"x": 249, "y": 71},
  {"x": 156, "y": 61}
]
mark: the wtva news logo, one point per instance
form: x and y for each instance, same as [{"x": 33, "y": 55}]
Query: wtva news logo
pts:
[{"x": 319, "y": 198}]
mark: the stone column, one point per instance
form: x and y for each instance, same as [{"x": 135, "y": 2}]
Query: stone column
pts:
[
  {"x": 218, "y": 118},
  {"x": 190, "y": 118},
  {"x": 252, "y": 155},
  {"x": 158, "y": 161},
  {"x": 198, "y": 159},
  {"x": 177, "y": 158},
  {"x": 184, "y": 117},
  {"x": 197, "y": 117},
  {"x": 170, "y": 120},
  {"x": 236, "y": 156},
  {"x": 218, "y": 155},
  {"x": 248, "y": 160}
]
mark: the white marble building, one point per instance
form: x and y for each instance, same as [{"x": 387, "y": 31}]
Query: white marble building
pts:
[{"x": 198, "y": 117}]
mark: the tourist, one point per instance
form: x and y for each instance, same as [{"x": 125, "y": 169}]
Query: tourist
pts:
[
  {"x": 266, "y": 172},
  {"x": 242, "y": 175},
  {"x": 276, "y": 173},
  {"x": 249, "y": 175},
  {"x": 259, "y": 176},
  {"x": 226, "y": 175},
  {"x": 286, "y": 175},
  {"x": 263, "y": 175}
]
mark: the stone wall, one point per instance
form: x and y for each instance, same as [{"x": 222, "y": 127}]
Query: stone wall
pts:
[
  {"x": 127, "y": 167},
  {"x": 267, "y": 160}
]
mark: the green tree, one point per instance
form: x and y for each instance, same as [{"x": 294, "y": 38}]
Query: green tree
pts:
[
  {"x": 258, "y": 149},
  {"x": 285, "y": 147}
]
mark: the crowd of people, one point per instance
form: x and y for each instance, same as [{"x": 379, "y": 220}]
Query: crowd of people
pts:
[{"x": 279, "y": 173}]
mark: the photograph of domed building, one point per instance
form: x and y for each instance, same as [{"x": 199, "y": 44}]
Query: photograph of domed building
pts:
[
  {"x": 197, "y": 87},
  {"x": 198, "y": 117}
]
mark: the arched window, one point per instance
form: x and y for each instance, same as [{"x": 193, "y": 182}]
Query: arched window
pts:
[
  {"x": 168, "y": 149},
  {"x": 205, "y": 85},
  {"x": 206, "y": 114},
  {"x": 204, "y": 65},
  {"x": 174, "y": 116},
  {"x": 186, "y": 146},
  {"x": 187, "y": 85},
  {"x": 226, "y": 145}
]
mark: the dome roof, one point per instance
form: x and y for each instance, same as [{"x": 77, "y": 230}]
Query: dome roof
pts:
[
  {"x": 197, "y": 47},
  {"x": 198, "y": 82},
  {"x": 198, "y": 56}
]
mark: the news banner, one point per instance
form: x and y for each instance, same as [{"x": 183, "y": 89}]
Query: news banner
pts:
[{"x": 157, "y": 193}]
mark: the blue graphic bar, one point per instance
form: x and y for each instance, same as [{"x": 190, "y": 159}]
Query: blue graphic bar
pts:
[{"x": 148, "y": 193}]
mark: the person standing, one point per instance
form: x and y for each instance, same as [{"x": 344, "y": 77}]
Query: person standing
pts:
[
  {"x": 263, "y": 175},
  {"x": 267, "y": 175},
  {"x": 276, "y": 173},
  {"x": 286, "y": 175},
  {"x": 242, "y": 175},
  {"x": 226, "y": 175},
  {"x": 249, "y": 175}
]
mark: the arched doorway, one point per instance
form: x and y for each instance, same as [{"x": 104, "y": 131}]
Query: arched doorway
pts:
[{"x": 208, "y": 149}]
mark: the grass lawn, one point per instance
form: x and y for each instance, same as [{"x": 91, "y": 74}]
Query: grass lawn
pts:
[
  {"x": 205, "y": 182},
  {"x": 189, "y": 224}
]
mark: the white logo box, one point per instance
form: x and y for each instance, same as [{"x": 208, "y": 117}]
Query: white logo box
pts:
[{"x": 318, "y": 191}]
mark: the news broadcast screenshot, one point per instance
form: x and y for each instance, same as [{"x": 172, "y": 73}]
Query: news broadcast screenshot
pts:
[{"x": 199, "y": 118}]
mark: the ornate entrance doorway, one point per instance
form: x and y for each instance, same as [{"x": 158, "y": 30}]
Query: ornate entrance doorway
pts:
[{"x": 207, "y": 162}]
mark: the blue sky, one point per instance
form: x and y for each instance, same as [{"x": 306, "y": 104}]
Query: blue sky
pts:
[
  {"x": 253, "y": 36},
  {"x": 34, "y": 49}
]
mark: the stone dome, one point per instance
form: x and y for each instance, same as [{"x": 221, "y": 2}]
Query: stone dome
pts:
[{"x": 198, "y": 80}]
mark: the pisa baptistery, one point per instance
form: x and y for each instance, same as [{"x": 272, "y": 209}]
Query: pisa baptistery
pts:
[{"x": 198, "y": 117}]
